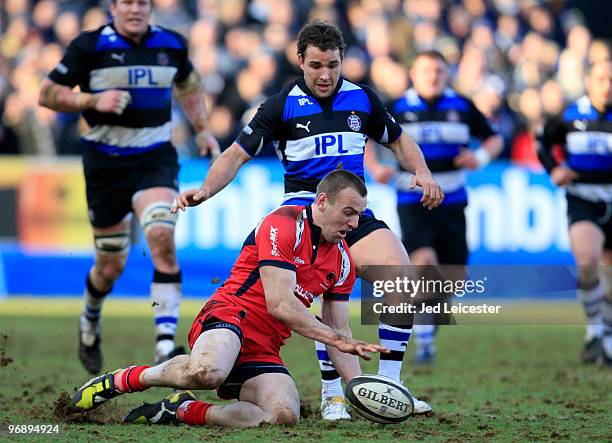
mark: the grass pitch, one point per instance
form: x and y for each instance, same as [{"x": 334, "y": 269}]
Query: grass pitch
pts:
[{"x": 498, "y": 383}]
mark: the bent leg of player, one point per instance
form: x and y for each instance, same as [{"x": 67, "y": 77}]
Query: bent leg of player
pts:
[
  {"x": 382, "y": 247},
  {"x": 587, "y": 242},
  {"x": 212, "y": 358},
  {"x": 152, "y": 207},
  {"x": 112, "y": 245},
  {"x": 267, "y": 398}
]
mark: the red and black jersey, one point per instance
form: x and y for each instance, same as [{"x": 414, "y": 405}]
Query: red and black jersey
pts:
[{"x": 288, "y": 238}]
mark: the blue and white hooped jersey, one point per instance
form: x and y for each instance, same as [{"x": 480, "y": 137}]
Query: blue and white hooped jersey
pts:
[
  {"x": 585, "y": 135},
  {"x": 312, "y": 137},
  {"x": 441, "y": 128},
  {"x": 103, "y": 59}
]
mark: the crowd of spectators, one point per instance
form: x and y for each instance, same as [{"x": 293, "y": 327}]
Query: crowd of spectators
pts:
[{"x": 519, "y": 60}]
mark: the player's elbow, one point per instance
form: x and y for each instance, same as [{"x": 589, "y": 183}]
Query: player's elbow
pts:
[{"x": 275, "y": 309}]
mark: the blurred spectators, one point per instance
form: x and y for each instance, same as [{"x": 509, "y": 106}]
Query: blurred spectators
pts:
[{"x": 519, "y": 60}]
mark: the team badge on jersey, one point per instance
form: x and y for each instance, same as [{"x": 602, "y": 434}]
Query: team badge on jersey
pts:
[
  {"x": 452, "y": 116},
  {"x": 354, "y": 122},
  {"x": 162, "y": 59}
]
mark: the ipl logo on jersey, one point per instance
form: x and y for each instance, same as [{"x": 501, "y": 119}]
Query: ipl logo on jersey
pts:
[{"x": 354, "y": 122}]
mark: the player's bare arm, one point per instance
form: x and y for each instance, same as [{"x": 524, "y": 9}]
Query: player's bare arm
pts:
[
  {"x": 411, "y": 158},
  {"x": 63, "y": 99},
  {"x": 189, "y": 94},
  {"x": 220, "y": 174},
  {"x": 335, "y": 314},
  {"x": 278, "y": 286}
]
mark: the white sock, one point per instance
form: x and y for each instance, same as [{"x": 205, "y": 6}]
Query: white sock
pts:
[
  {"x": 592, "y": 303},
  {"x": 424, "y": 335},
  {"x": 331, "y": 383},
  {"x": 396, "y": 339},
  {"x": 166, "y": 295},
  {"x": 94, "y": 299}
]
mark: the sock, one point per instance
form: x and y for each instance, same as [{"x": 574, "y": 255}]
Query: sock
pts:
[
  {"x": 128, "y": 379},
  {"x": 606, "y": 311},
  {"x": 396, "y": 339},
  {"x": 166, "y": 295},
  {"x": 592, "y": 303},
  {"x": 90, "y": 318},
  {"x": 331, "y": 384},
  {"x": 193, "y": 412}
]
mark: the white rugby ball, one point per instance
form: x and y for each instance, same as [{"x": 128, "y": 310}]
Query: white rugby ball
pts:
[{"x": 380, "y": 399}]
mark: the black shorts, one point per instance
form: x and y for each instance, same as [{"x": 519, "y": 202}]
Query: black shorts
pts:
[
  {"x": 232, "y": 385},
  {"x": 112, "y": 181},
  {"x": 599, "y": 213},
  {"x": 367, "y": 224},
  {"x": 442, "y": 229}
]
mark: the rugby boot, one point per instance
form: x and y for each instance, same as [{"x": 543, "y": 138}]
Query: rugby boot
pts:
[
  {"x": 90, "y": 353},
  {"x": 591, "y": 351},
  {"x": 334, "y": 408},
  {"x": 94, "y": 393},
  {"x": 162, "y": 412}
]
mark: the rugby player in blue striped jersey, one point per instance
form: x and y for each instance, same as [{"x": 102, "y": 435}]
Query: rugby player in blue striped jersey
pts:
[
  {"x": 584, "y": 132},
  {"x": 126, "y": 71}
]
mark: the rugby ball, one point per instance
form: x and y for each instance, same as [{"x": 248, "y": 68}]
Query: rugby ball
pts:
[{"x": 380, "y": 399}]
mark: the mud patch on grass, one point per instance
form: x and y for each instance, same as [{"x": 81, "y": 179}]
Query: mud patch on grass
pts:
[{"x": 105, "y": 414}]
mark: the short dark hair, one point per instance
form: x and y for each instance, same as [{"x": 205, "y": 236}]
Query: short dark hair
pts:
[
  {"x": 322, "y": 34},
  {"x": 340, "y": 179},
  {"x": 433, "y": 54}
]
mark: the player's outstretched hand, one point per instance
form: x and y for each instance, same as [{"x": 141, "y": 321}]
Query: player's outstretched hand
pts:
[
  {"x": 360, "y": 348},
  {"x": 191, "y": 197},
  {"x": 208, "y": 144},
  {"x": 432, "y": 192},
  {"x": 562, "y": 176},
  {"x": 112, "y": 101}
]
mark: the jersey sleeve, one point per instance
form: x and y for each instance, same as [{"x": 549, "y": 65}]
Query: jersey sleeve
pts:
[
  {"x": 480, "y": 127},
  {"x": 260, "y": 130},
  {"x": 554, "y": 133},
  {"x": 346, "y": 279},
  {"x": 72, "y": 69},
  {"x": 275, "y": 240},
  {"x": 382, "y": 127}
]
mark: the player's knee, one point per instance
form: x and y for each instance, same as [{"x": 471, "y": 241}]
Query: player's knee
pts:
[
  {"x": 281, "y": 415},
  {"x": 205, "y": 377},
  {"x": 285, "y": 415},
  {"x": 111, "y": 270}
]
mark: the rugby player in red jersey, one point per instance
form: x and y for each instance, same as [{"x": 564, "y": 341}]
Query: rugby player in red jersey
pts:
[{"x": 295, "y": 254}]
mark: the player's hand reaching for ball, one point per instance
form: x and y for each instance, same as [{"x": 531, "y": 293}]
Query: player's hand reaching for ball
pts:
[
  {"x": 191, "y": 197},
  {"x": 432, "y": 192},
  {"x": 112, "y": 101},
  {"x": 360, "y": 348}
]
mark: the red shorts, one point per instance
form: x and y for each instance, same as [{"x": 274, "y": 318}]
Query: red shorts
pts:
[{"x": 259, "y": 341}]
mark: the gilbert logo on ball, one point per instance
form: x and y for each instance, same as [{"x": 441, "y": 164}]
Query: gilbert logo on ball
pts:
[{"x": 379, "y": 399}]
